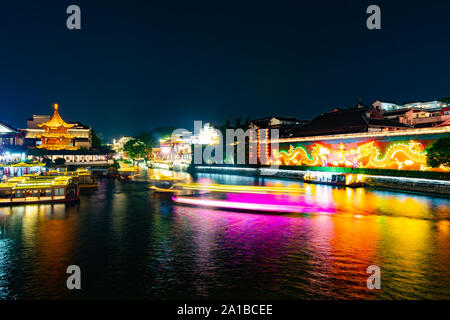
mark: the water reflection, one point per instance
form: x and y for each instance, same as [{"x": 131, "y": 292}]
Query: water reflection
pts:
[{"x": 133, "y": 243}]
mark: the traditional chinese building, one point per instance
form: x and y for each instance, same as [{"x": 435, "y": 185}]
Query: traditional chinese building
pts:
[
  {"x": 82, "y": 133},
  {"x": 56, "y": 140},
  {"x": 56, "y": 136}
]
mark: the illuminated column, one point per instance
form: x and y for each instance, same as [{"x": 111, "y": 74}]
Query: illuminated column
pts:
[
  {"x": 258, "y": 141},
  {"x": 267, "y": 159}
]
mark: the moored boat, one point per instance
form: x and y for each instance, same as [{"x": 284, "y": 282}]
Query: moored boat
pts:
[
  {"x": 334, "y": 178},
  {"x": 85, "y": 178},
  {"x": 30, "y": 189}
]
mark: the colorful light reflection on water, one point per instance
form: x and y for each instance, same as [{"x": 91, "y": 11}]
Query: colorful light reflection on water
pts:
[{"x": 132, "y": 243}]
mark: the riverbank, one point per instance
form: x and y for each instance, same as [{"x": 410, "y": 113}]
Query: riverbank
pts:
[{"x": 410, "y": 184}]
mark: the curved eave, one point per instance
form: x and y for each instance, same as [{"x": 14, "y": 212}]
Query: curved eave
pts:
[
  {"x": 56, "y": 148},
  {"x": 55, "y": 126},
  {"x": 51, "y": 135}
]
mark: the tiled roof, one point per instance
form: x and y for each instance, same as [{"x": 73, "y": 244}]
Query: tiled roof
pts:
[
  {"x": 4, "y": 128},
  {"x": 56, "y": 121},
  {"x": 343, "y": 121}
]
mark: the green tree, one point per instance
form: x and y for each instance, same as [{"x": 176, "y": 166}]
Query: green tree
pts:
[
  {"x": 96, "y": 141},
  {"x": 135, "y": 149},
  {"x": 160, "y": 133},
  {"x": 238, "y": 124},
  {"x": 148, "y": 140},
  {"x": 60, "y": 161},
  {"x": 47, "y": 161},
  {"x": 439, "y": 153}
]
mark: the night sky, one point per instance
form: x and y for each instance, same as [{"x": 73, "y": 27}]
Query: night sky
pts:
[{"x": 136, "y": 65}]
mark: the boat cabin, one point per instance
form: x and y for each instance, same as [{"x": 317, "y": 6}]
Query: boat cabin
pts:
[{"x": 37, "y": 189}]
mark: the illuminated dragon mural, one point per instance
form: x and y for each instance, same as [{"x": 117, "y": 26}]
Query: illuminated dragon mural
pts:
[{"x": 408, "y": 155}]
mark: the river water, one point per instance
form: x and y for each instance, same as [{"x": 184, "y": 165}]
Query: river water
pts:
[{"x": 132, "y": 243}]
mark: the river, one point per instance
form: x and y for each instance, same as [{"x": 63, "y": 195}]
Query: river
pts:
[{"x": 132, "y": 243}]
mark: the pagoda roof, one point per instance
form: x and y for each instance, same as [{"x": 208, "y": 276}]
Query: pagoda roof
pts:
[{"x": 56, "y": 121}]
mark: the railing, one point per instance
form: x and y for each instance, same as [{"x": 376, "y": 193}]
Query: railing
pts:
[{"x": 89, "y": 162}]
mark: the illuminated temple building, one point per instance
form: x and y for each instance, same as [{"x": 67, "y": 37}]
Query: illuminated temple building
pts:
[
  {"x": 55, "y": 136},
  {"x": 81, "y": 134}
]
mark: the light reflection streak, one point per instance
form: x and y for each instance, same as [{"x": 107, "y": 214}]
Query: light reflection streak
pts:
[
  {"x": 231, "y": 203},
  {"x": 239, "y": 188}
]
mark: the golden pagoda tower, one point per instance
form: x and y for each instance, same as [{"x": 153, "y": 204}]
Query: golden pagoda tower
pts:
[{"x": 56, "y": 136}]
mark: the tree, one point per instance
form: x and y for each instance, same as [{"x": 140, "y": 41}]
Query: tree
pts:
[
  {"x": 238, "y": 124},
  {"x": 135, "y": 148},
  {"x": 148, "y": 140},
  {"x": 60, "y": 161},
  {"x": 160, "y": 133},
  {"x": 47, "y": 161},
  {"x": 96, "y": 141},
  {"x": 152, "y": 138},
  {"x": 439, "y": 153}
]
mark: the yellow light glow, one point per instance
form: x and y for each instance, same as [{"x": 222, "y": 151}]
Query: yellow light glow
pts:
[{"x": 410, "y": 156}]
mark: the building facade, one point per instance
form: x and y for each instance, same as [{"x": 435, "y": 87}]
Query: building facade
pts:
[
  {"x": 174, "y": 152},
  {"x": 82, "y": 135},
  {"x": 10, "y": 141},
  {"x": 416, "y": 114},
  {"x": 282, "y": 124},
  {"x": 56, "y": 139}
]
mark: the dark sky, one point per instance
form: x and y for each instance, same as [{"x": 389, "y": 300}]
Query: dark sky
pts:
[{"x": 136, "y": 65}]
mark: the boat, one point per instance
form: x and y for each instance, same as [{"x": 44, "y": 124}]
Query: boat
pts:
[
  {"x": 263, "y": 203},
  {"x": 85, "y": 178},
  {"x": 31, "y": 189},
  {"x": 264, "y": 199},
  {"x": 164, "y": 187},
  {"x": 334, "y": 178},
  {"x": 240, "y": 189},
  {"x": 128, "y": 173},
  {"x": 21, "y": 168},
  {"x": 165, "y": 184}
]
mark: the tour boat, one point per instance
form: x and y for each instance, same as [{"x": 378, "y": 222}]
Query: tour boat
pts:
[
  {"x": 241, "y": 189},
  {"x": 128, "y": 173},
  {"x": 265, "y": 203},
  {"x": 269, "y": 199},
  {"x": 165, "y": 184},
  {"x": 85, "y": 178},
  {"x": 30, "y": 189}
]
